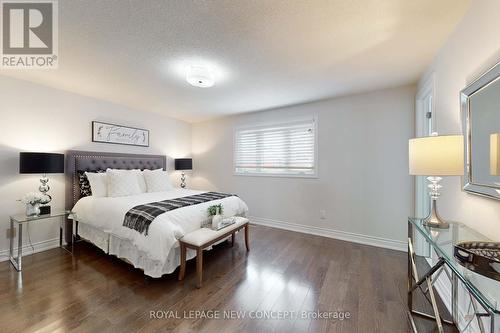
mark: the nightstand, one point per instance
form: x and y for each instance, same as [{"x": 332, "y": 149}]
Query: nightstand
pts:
[{"x": 21, "y": 219}]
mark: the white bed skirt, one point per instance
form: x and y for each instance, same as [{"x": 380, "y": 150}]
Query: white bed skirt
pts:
[{"x": 124, "y": 249}]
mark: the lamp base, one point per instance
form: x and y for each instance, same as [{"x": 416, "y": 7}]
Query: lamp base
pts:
[
  {"x": 183, "y": 180},
  {"x": 44, "y": 189},
  {"x": 434, "y": 220}
]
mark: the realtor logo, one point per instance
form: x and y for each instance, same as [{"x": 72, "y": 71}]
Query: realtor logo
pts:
[{"x": 29, "y": 34}]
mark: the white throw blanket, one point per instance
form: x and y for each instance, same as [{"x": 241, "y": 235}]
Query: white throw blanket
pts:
[{"x": 108, "y": 214}]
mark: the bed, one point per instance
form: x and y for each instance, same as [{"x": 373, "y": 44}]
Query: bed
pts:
[{"x": 99, "y": 220}]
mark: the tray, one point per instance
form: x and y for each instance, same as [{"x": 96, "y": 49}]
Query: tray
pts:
[
  {"x": 480, "y": 257},
  {"x": 226, "y": 223}
]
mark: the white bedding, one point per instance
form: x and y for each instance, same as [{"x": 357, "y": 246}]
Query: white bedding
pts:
[{"x": 107, "y": 214}]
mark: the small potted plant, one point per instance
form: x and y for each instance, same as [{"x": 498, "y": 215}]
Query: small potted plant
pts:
[
  {"x": 33, "y": 201},
  {"x": 215, "y": 211}
]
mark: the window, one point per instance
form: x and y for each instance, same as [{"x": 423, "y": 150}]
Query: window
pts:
[{"x": 281, "y": 149}]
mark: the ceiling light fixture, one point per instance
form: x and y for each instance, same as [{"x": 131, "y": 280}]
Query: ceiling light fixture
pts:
[{"x": 199, "y": 76}]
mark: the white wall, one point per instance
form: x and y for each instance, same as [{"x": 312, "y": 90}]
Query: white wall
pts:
[
  {"x": 38, "y": 118},
  {"x": 363, "y": 183},
  {"x": 471, "y": 49}
]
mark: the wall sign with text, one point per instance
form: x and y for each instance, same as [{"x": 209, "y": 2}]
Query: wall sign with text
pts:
[{"x": 123, "y": 135}]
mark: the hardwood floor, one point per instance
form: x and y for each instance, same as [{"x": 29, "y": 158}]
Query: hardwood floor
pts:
[{"x": 284, "y": 271}]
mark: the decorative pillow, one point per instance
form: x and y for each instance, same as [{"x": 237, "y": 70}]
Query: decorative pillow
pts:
[
  {"x": 98, "y": 183},
  {"x": 122, "y": 182},
  {"x": 157, "y": 180},
  {"x": 83, "y": 181}
]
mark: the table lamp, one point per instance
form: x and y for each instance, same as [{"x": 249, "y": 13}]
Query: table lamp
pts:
[
  {"x": 183, "y": 164},
  {"x": 436, "y": 156},
  {"x": 42, "y": 163}
]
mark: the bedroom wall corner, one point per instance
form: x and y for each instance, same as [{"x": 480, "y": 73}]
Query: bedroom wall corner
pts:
[
  {"x": 472, "y": 48},
  {"x": 39, "y": 118}
]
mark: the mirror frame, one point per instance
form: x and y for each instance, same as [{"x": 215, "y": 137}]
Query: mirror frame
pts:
[{"x": 482, "y": 82}]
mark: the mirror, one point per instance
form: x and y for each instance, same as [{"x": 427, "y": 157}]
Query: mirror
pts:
[{"x": 481, "y": 121}]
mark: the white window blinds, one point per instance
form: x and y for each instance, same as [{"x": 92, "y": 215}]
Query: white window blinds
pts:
[{"x": 277, "y": 149}]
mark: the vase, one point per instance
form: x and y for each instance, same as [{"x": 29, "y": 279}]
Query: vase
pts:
[
  {"x": 216, "y": 220},
  {"x": 32, "y": 210}
]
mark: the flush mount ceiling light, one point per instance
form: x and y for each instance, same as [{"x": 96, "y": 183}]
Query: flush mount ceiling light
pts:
[
  {"x": 200, "y": 76},
  {"x": 194, "y": 69}
]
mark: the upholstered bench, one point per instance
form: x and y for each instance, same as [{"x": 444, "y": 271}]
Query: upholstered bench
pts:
[{"x": 205, "y": 237}]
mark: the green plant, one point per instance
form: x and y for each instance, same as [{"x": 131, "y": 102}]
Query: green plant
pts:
[{"x": 212, "y": 210}]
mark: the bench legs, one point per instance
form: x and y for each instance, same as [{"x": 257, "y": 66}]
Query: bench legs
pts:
[
  {"x": 199, "y": 266},
  {"x": 247, "y": 244},
  {"x": 199, "y": 258},
  {"x": 182, "y": 271}
]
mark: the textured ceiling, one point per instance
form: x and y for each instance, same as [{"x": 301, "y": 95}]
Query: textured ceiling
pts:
[{"x": 266, "y": 53}]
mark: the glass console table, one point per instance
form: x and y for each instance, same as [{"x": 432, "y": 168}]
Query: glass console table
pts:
[
  {"x": 469, "y": 292},
  {"x": 21, "y": 219}
]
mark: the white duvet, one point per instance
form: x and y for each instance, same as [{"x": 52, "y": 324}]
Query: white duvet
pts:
[{"x": 107, "y": 214}]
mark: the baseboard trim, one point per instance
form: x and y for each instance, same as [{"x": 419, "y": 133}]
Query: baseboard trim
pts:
[
  {"x": 331, "y": 233},
  {"x": 28, "y": 250}
]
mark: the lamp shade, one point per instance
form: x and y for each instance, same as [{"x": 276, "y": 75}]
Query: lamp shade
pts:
[
  {"x": 183, "y": 164},
  {"x": 437, "y": 156},
  {"x": 41, "y": 163},
  {"x": 495, "y": 154}
]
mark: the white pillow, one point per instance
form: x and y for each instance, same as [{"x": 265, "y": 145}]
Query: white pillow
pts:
[
  {"x": 157, "y": 180},
  {"x": 122, "y": 183},
  {"x": 140, "y": 179},
  {"x": 98, "y": 183}
]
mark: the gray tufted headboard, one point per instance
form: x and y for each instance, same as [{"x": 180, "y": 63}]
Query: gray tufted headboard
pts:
[{"x": 93, "y": 161}]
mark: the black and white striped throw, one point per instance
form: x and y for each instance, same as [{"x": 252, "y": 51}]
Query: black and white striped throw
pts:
[{"x": 140, "y": 217}]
